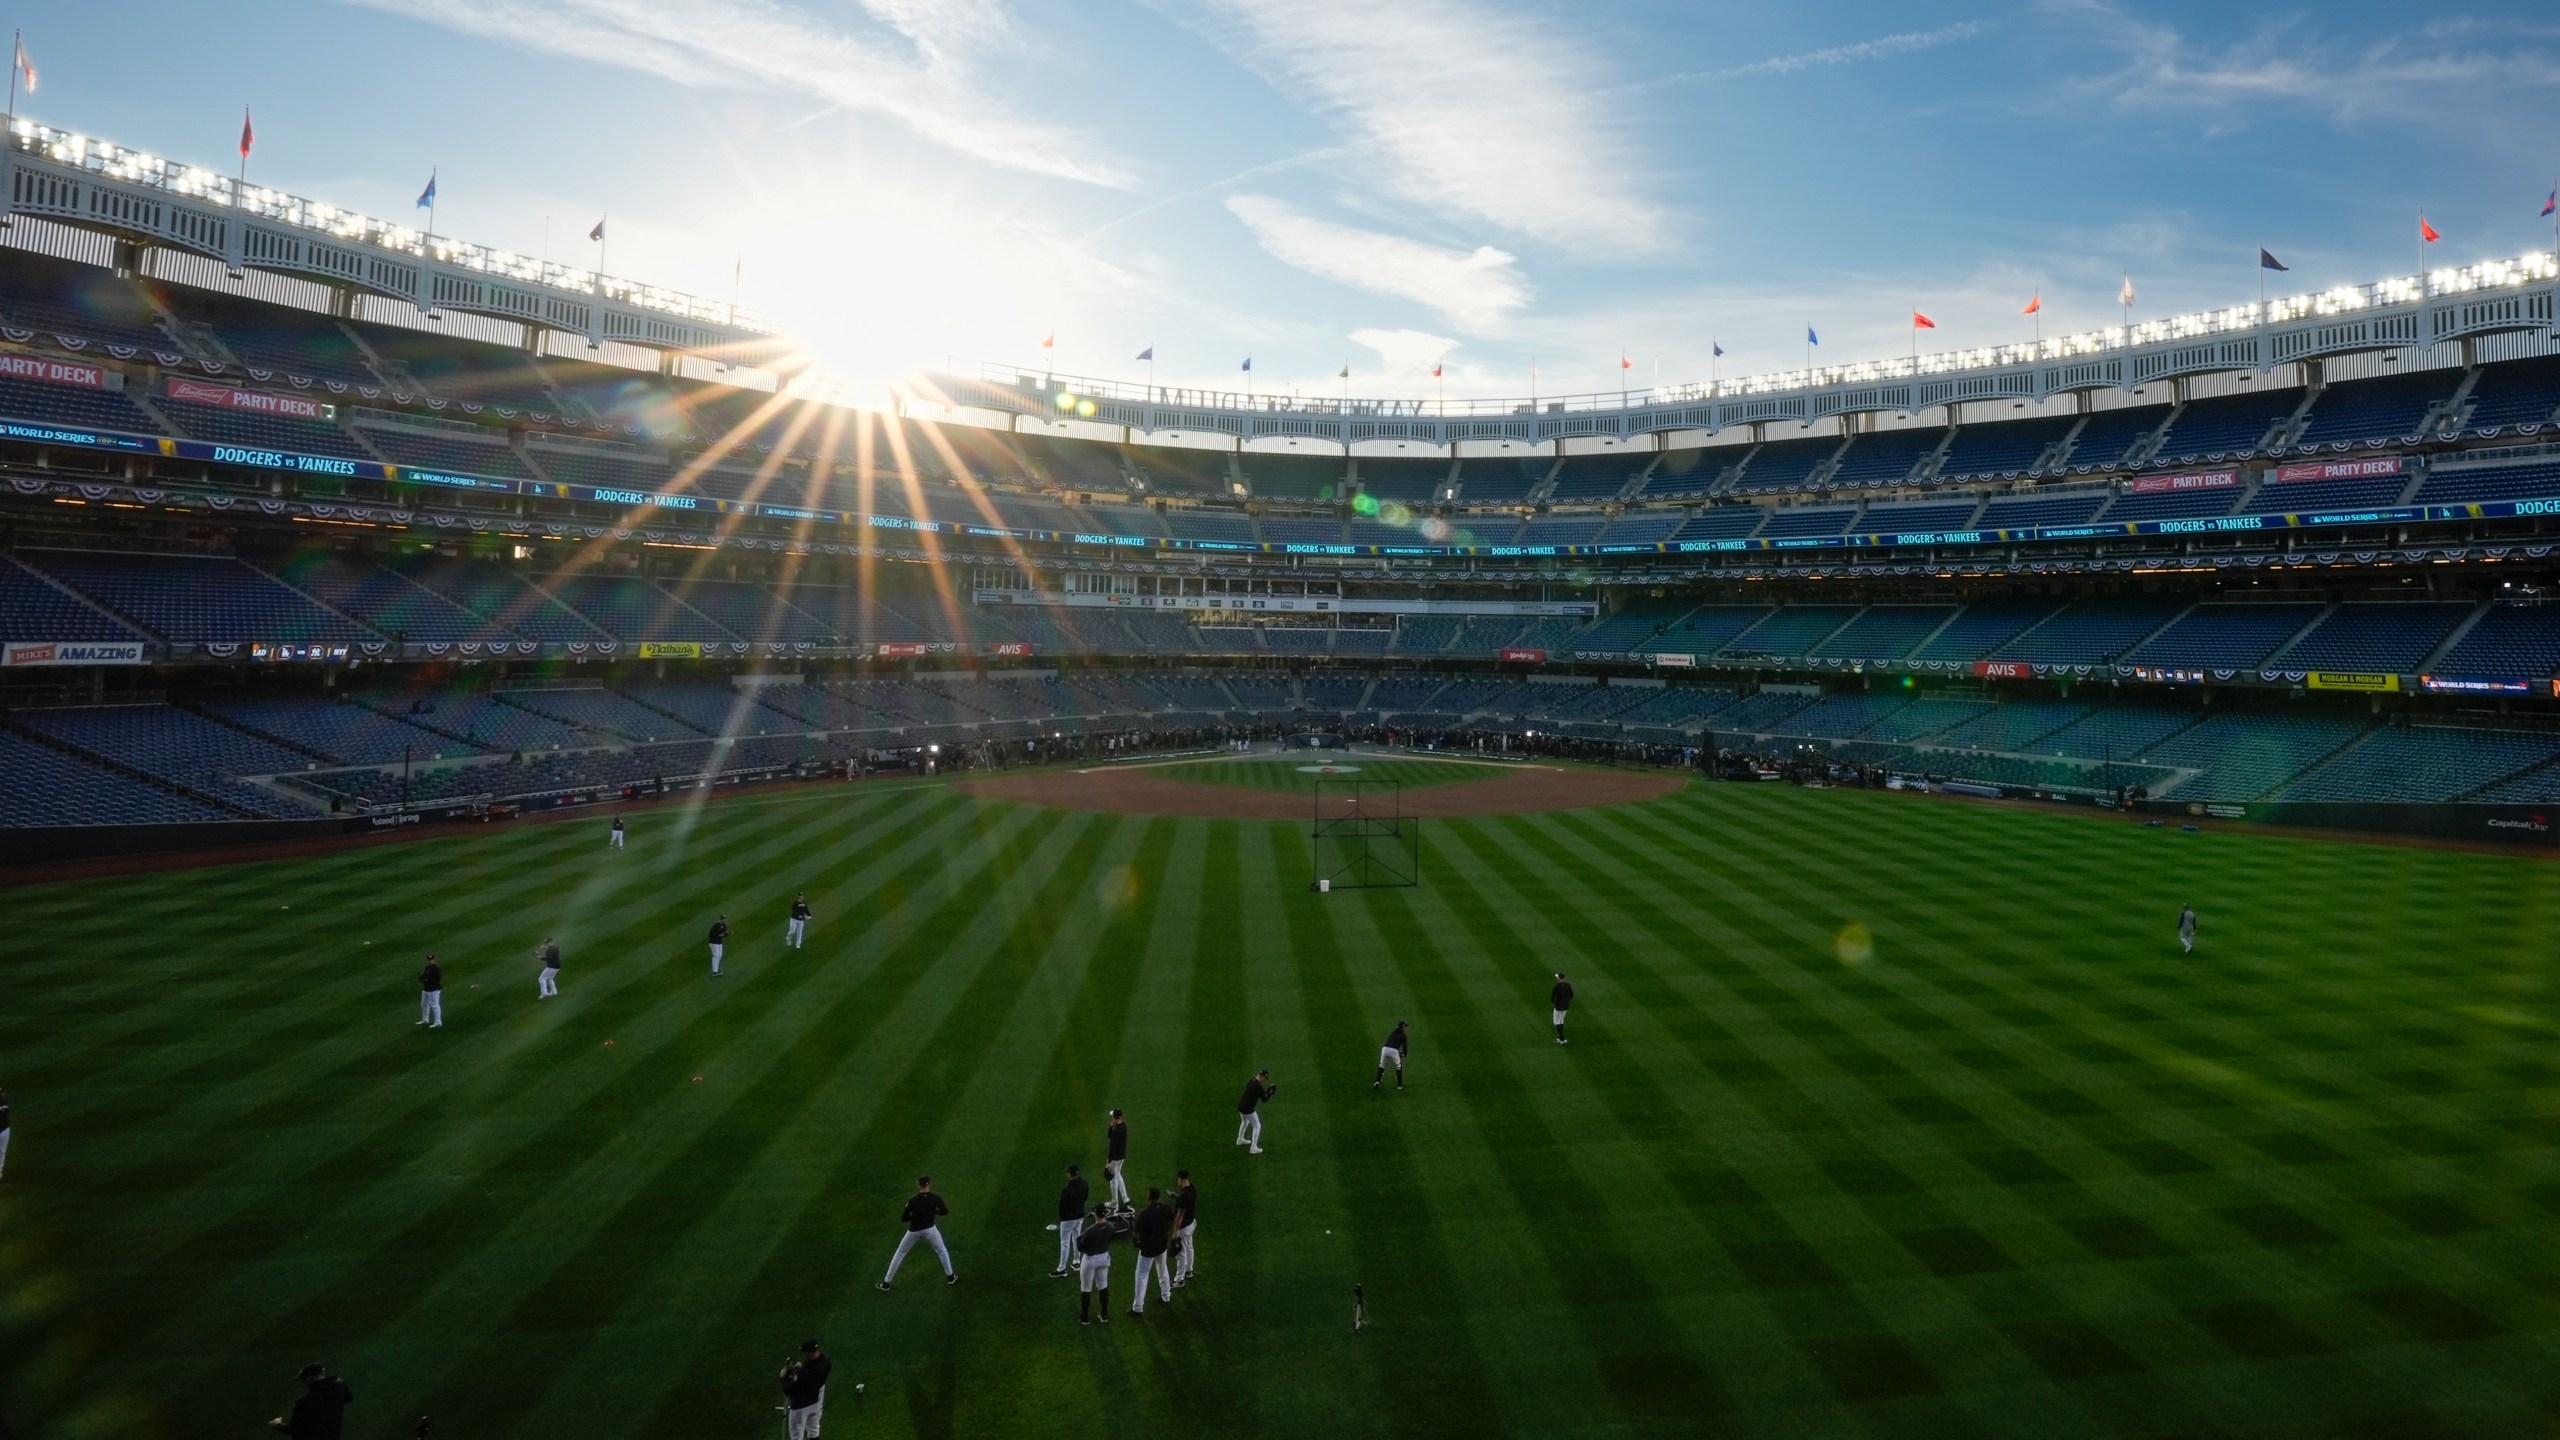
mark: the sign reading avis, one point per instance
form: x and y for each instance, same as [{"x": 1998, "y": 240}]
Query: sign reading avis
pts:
[{"x": 65, "y": 652}]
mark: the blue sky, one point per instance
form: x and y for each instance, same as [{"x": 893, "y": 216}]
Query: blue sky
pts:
[{"x": 1496, "y": 183}]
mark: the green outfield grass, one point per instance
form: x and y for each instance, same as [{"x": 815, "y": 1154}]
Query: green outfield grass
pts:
[
  {"x": 1292, "y": 773},
  {"x": 1883, "y": 1115}
]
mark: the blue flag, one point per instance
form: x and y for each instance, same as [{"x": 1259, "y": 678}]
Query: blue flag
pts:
[
  {"x": 427, "y": 197},
  {"x": 1810, "y": 338},
  {"x": 1719, "y": 349},
  {"x": 2267, "y": 261},
  {"x": 1248, "y": 362},
  {"x": 2553, "y": 203},
  {"x": 1147, "y": 354}
]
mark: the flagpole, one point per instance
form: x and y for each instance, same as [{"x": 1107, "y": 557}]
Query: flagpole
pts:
[
  {"x": 432, "y": 198},
  {"x": 17, "y": 62}
]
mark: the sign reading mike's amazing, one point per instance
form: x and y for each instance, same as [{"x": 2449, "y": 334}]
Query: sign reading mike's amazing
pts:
[
  {"x": 87, "y": 652},
  {"x": 232, "y": 397}
]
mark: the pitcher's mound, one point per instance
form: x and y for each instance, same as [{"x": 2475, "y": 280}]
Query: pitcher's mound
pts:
[{"x": 1522, "y": 791}]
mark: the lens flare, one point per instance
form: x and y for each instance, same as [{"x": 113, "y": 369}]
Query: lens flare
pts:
[{"x": 1855, "y": 945}]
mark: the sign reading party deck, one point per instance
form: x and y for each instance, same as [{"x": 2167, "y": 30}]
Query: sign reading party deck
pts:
[
  {"x": 2193, "y": 480},
  {"x": 2340, "y": 470},
  {"x": 59, "y": 372},
  {"x": 232, "y": 397}
]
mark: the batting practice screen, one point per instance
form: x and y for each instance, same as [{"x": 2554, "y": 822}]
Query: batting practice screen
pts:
[{"x": 1361, "y": 837}]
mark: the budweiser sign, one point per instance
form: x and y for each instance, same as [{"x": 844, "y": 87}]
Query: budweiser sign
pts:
[
  {"x": 2003, "y": 669},
  {"x": 2196, "y": 480},
  {"x": 2340, "y": 470},
  {"x": 231, "y": 397},
  {"x": 55, "y": 372}
]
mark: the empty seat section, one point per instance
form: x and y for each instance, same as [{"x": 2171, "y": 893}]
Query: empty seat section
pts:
[
  {"x": 1924, "y": 517},
  {"x": 458, "y": 451},
  {"x": 2223, "y": 427},
  {"x": 1705, "y": 630},
  {"x": 49, "y": 787},
  {"x": 386, "y": 601},
  {"x": 2106, "y": 436},
  {"x": 1303, "y": 529},
  {"x": 1781, "y": 466},
  {"x": 1415, "y": 482},
  {"x": 2090, "y": 632},
  {"x": 340, "y": 730},
  {"x": 2037, "y": 508},
  {"x": 2224, "y": 636},
  {"x": 501, "y": 597},
  {"x": 2001, "y": 449},
  {"x": 1983, "y": 627},
  {"x": 1809, "y": 521},
  {"x": 1644, "y": 527},
  {"x": 2425, "y": 762},
  {"x": 1293, "y": 477},
  {"x": 35, "y": 609},
  {"x": 2299, "y": 497},
  {"x": 2246, "y": 754},
  {"x": 1720, "y": 522},
  {"x": 2513, "y": 394},
  {"x": 196, "y": 599},
  {"x": 1598, "y": 477},
  {"x": 1496, "y": 479},
  {"x": 1882, "y": 632},
  {"x": 1884, "y": 458},
  {"x": 1681, "y": 473},
  {"x": 2457, "y": 484},
  {"x": 179, "y": 747},
  {"x": 81, "y": 302},
  {"x": 2195, "y": 503},
  {"x": 633, "y": 608},
  {"x": 1790, "y": 630},
  {"x": 73, "y": 407},
  {"x": 2514, "y": 639},
  {"x": 1173, "y": 470},
  {"x": 2386, "y": 408},
  {"x": 2388, "y": 638}
]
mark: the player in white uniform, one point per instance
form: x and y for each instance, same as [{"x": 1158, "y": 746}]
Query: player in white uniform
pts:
[
  {"x": 2187, "y": 928},
  {"x": 617, "y": 832},
  {"x": 799, "y": 931}
]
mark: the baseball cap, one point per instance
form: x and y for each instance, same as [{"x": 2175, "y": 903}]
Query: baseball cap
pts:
[
  {"x": 312, "y": 1371},
  {"x": 808, "y": 1344}
]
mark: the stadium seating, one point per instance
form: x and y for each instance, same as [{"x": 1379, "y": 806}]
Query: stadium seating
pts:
[
  {"x": 2042, "y": 508},
  {"x": 79, "y": 302},
  {"x": 2224, "y": 636},
  {"x": 2456, "y": 484},
  {"x": 1501, "y": 479},
  {"x": 601, "y": 713},
  {"x": 188, "y": 599},
  {"x": 2512, "y": 638},
  {"x": 187, "y": 751},
  {"x": 1982, "y": 627},
  {"x": 33, "y": 608},
  {"x": 2424, "y": 762},
  {"x": 2368, "y": 493},
  {"x": 2174, "y": 504},
  {"x": 1681, "y": 474},
  {"x": 2012, "y": 726},
  {"x": 2090, "y": 632},
  {"x": 386, "y": 601},
  {"x": 338, "y": 730},
  {"x": 1799, "y": 521},
  {"x": 2225, "y": 427},
  {"x": 2247, "y": 754},
  {"x": 462, "y": 452},
  {"x": 502, "y": 597},
  {"x": 1782, "y": 466},
  {"x": 1882, "y": 632},
  {"x": 1637, "y": 527},
  {"x": 2520, "y": 395},
  {"x": 2374, "y": 412},
  {"x": 48, "y": 786},
  {"x": 1415, "y": 482},
  {"x": 73, "y": 407},
  {"x": 1292, "y": 477},
  {"x": 1721, "y": 522},
  {"x": 1762, "y": 714},
  {"x": 1884, "y": 458},
  {"x": 2001, "y": 450},
  {"x": 2107, "y": 436},
  {"x": 487, "y": 722},
  {"x": 2387, "y": 638},
  {"x": 228, "y": 426},
  {"x": 1593, "y": 477},
  {"x": 1921, "y": 516}
]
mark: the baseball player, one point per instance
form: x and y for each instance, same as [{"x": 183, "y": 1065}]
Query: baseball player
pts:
[
  {"x": 1249, "y": 1110},
  {"x": 617, "y": 832},
  {"x": 431, "y": 995},
  {"x": 1071, "y": 1198},
  {"x": 1186, "y": 1219},
  {"x": 1559, "y": 1000},
  {"x": 799, "y": 921},
  {"x": 804, "y": 1390},
  {"x": 923, "y": 1208},
  {"x": 548, "y": 984},
  {"x": 1392, "y": 1053},
  {"x": 1093, "y": 1264},
  {"x": 320, "y": 1411},
  {"x": 2187, "y": 928},
  {"x": 4, "y": 1132},
  {"x": 719, "y": 943},
  {"x": 1154, "y": 1227},
  {"x": 1115, "y": 1157}
]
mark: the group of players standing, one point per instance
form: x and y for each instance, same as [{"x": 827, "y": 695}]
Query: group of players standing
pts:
[{"x": 1165, "y": 1231}]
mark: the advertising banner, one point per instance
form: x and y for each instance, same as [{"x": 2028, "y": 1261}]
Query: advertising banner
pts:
[
  {"x": 670, "y": 649},
  {"x": 2474, "y": 685},
  {"x": 320, "y": 653},
  {"x": 232, "y": 397},
  {"x": 2003, "y": 669},
  {"x": 2352, "y": 680},
  {"x": 58, "y": 372},
  {"x": 901, "y": 650},
  {"x": 1680, "y": 662},
  {"x": 1526, "y": 657},
  {"x": 2194, "y": 480},
  {"x": 86, "y": 652},
  {"x": 2340, "y": 470},
  {"x": 1010, "y": 647}
]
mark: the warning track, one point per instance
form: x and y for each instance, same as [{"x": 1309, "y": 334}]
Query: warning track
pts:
[{"x": 1522, "y": 791}]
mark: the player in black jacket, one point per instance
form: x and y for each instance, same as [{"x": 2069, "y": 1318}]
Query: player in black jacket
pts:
[
  {"x": 923, "y": 1209},
  {"x": 4, "y": 1132},
  {"x": 1115, "y": 1157},
  {"x": 320, "y": 1411},
  {"x": 1186, "y": 1218},
  {"x": 431, "y": 995},
  {"x": 719, "y": 943},
  {"x": 1392, "y": 1053},
  {"x": 1093, "y": 1265},
  {"x": 1071, "y": 1198},
  {"x": 804, "y": 1390},
  {"x": 1154, "y": 1229},
  {"x": 1560, "y": 999},
  {"x": 799, "y": 932},
  {"x": 547, "y": 984},
  {"x": 1249, "y": 1110}
]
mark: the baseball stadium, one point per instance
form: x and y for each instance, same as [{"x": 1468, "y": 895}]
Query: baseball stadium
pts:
[{"x": 1994, "y": 891}]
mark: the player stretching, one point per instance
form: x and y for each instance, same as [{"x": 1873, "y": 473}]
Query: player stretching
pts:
[
  {"x": 923, "y": 1208},
  {"x": 547, "y": 984},
  {"x": 1249, "y": 1110},
  {"x": 1560, "y": 1000},
  {"x": 1392, "y": 1053},
  {"x": 1115, "y": 1157},
  {"x": 719, "y": 943},
  {"x": 431, "y": 995},
  {"x": 799, "y": 921},
  {"x": 1154, "y": 1227},
  {"x": 617, "y": 832},
  {"x": 1071, "y": 1198},
  {"x": 2187, "y": 928}
]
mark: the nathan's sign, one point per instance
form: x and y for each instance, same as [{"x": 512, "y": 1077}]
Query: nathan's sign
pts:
[
  {"x": 2340, "y": 470},
  {"x": 2193, "y": 480},
  {"x": 111, "y": 652},
  {"x": 2004, "y": 669},
  {"x": 59, "y": 372},
  {"x": 232, "y": 397},
  {"x": 670, "y": 649}
]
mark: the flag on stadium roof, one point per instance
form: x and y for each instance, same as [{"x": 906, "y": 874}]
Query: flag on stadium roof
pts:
[
  {"x": 1718, "y": 347},
  {"x": 2125, "y": 295},
  {"x": 597, "y": 234},
  {"x": 2428, "y": 232},
  {"x": 2268, "y": 261},
  {"x": 1050, "y": 341},
  {"x": 2035, "y": 303},
  {"x": 2548, "y": 206},
  {"x": 1346, "y": 371},
  {"x": 1147, "y": 354},
  {"x": 1435, "y": 370},
  {"x": 427, "y": 197},
  {"x": 1248, "y": 363},
  {"x": 1922, "y": 322},
  {"x": 1810, "y": 338},
  {"x": 1624, "y": 363},
  {"x": 247, "y": 133},
  {"x": 27, "y": 72}
]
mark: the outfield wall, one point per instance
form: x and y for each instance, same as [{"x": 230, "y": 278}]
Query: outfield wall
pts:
[{"x": 2523, "y": 825}]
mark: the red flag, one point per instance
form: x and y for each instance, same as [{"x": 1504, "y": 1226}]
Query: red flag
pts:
[
  {"x": 1051, "y": 343},
  {"x": 1625, "y": 364},
  {"x": 1435, "y": 372},
  {"x": 2034, "y": 305},
  {"x": 247, "y": 135},
  {"x": 1922, "y": 322},
  {"x": 2426, "y": 231}
]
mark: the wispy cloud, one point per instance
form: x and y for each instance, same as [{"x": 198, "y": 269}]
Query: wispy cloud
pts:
[
  {"x": 1882, "y": 47},
  {"x": 2444, "y": 69},
  {"x": 1406, "y": 353},
  {"x": 1492, "y": 115},
  {"x": 917, "y": 64},
  {"x": 1474, "y": 288}
]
